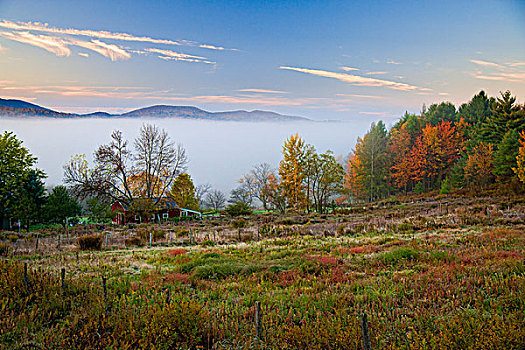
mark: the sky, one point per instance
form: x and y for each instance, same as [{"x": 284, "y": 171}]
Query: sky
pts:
[{"x": 335, "y": 60}]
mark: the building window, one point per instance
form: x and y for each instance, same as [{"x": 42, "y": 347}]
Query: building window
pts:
[{"x": 165, "y": 215}]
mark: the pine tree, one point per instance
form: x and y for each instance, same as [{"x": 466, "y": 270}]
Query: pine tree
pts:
[
  {"x": 506, "y": 115},
  {"x": 505, "y": 156}
]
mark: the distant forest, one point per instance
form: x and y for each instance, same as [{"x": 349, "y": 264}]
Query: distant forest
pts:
[{"x": 480, "y": 144}]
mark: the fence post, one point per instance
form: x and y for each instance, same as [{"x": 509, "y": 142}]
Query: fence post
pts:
[
  {"x": 258, "y": 234},
  {"x": 58, "y": 242},
  {"x": 106, "y": 240},
  {"x": 258, "y": 324},
  {"x": 63, "y": 279},
  {"x": 25, "y": 276},
  {"x": 105, "y": 296},
  {"x": 364, "y": 332},
  {"x": 150, "y": 239},
  {"x": 191, "y": 236},
  {"x": 36, "y": 246}
]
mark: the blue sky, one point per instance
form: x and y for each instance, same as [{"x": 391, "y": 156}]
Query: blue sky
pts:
[{"x": 319, "y": 59}]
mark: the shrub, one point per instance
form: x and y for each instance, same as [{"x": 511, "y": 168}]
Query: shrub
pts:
[
  {"x": 240, "y": 223},
  {"x": 134, "y": 241},
  {"x": 4, "y": 249},
  {"x": 90, "y": 242},
  {"x": 177, "y": 251},
  {"x": 445, "y": 187},
  {"x": 397, "y": 255},
  {"x": 208, "y": 243},
  {"x": 238, "y": 209}
]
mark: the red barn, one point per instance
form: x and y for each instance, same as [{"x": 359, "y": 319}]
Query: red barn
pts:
[{"x": 164, "y": 209}]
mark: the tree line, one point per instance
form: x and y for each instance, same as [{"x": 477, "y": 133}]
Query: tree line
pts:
[{"x": 480, "y": 144}]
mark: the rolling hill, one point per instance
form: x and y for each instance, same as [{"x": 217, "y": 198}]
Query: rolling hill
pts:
[{"x": 22, "y": 109}]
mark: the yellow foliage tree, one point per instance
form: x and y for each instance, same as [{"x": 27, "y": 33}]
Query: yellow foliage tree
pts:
[
  {"x": 292, "y": 172},
  {"x": 520, "y": 168}
]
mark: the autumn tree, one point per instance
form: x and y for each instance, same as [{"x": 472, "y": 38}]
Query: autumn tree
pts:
[
  {"x": 354, "y": 184},
  {"x": 326, "y": 179},
  {"x": 479, "y": 166},
  {"x": 274, "y": 194},
  {"x": 292, "y": 172},
  {"x": 257, "y": 180},
  {"x": 183, "y": 192},
  {"x": 520, "y": 159},
  {"x": 154, "y": 164},
  {"x": 371, "y": 163}
]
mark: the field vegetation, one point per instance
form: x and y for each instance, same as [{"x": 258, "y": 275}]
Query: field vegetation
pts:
[{"x": 430, "y": 272}]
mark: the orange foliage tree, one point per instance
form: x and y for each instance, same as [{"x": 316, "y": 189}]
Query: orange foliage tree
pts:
[{"x": 479, "y": 167}]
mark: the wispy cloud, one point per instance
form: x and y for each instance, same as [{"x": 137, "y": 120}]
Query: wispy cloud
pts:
[
  {"x": 393, "y": 62},
  {"x": 511, "y": 77},
  {"x": 487, "y": 64},
  {"x": 371, "y": 97},
  {"x": 376, "y": 73},
  {"x": 101, "y": 34},
  {"x": 509, "y": 72},
  {"x": 52, "y": 44},
  {"x": 113, "y": 52},
  {"x": 177, "y": 56},
  {"x": 354, "y": 79},
  {"x": 516, "y": 64},
  {"x": 263, "y": 91},
  {"x": 60, "y": 41},
  {"x": 348, "y": 69},
  {"x": 374, "y": 113}
]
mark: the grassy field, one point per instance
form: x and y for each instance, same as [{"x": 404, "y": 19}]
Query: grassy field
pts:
[{"x": 430, "y": 273}]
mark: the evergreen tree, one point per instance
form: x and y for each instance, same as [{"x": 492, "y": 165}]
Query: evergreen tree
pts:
[
  {"x": 505, "y": 156},
  {"x": 476, "y": 112},
  {"x": 445, "y": 111},
  {"x": 60, "y": 205},
  {"x": 506, "y": 115}
]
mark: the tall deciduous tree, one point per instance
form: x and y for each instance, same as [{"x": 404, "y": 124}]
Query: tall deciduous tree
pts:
[
  {"x": 371, "y": 163},
  {"x": 15, "y": 168},
  {"x": 215, "y": 199},
  {"x": 154, "y": 165},
  {"x": 326, "y": 179},
  {"x": 479, "y": 166},
  {"x": 292, "y": 172}
]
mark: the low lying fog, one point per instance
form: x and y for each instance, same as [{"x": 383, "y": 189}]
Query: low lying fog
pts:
[{"x": 219, "y": 152}]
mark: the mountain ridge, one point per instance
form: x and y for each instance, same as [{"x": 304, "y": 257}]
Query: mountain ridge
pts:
[{"x": 21, "y": 109}]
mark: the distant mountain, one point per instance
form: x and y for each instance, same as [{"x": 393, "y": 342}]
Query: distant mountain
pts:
[
  {"x": 22, "y": 109},
  {"x": 20, "y": 104}
]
